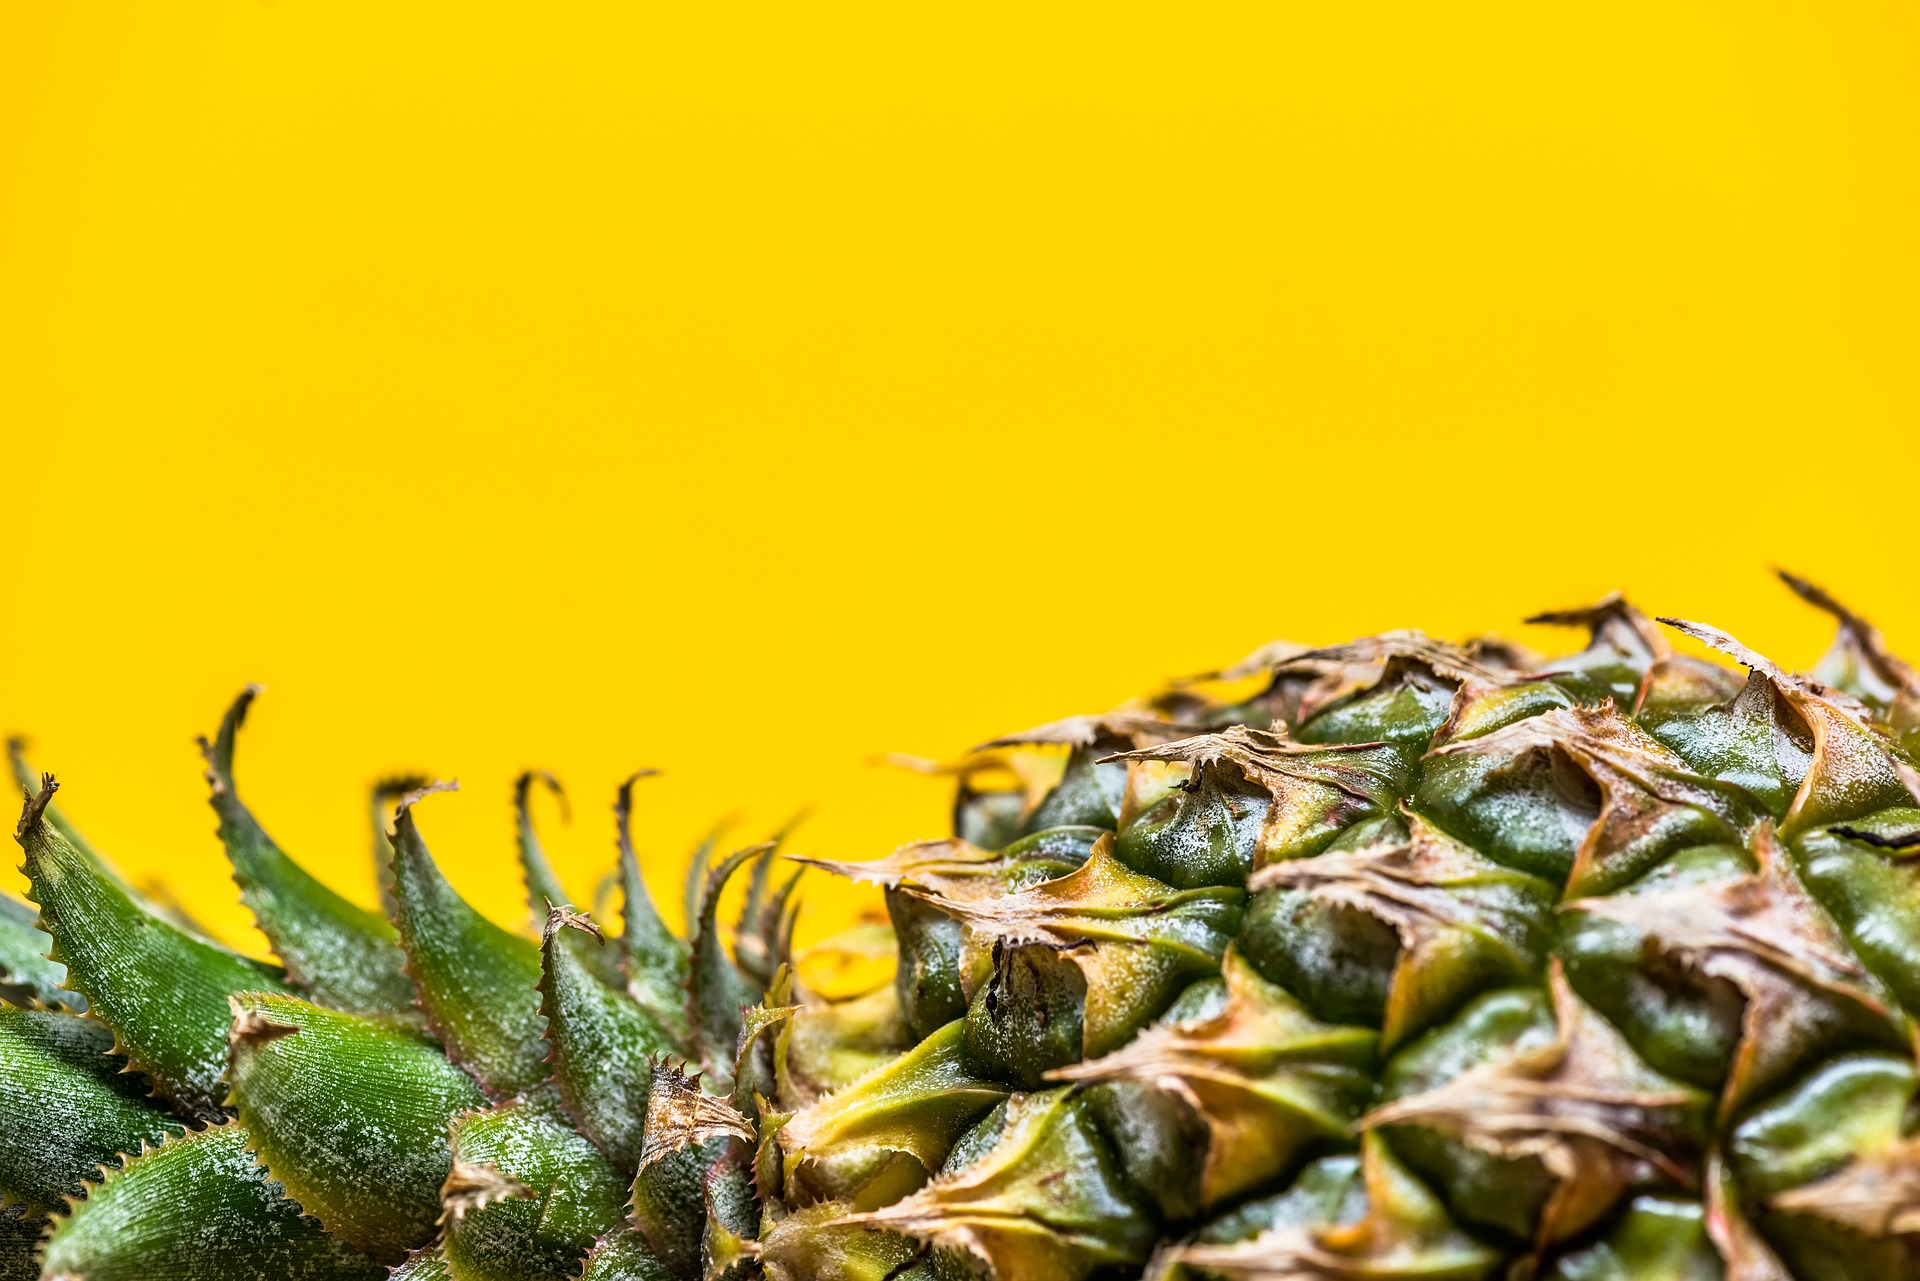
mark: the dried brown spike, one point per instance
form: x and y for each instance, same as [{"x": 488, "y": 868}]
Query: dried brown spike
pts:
[
  {"x": 250, "y": 1027},
  {"x": 681, "y": 1115},
  {"x": 1136, "y": 728},
  {"x": 36, "y": 806},
  {"x": 472, "y": 1186},
  {"x": 565, "y": 918}
]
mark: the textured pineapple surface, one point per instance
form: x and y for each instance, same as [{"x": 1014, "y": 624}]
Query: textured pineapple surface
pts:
[{"x": 1392, "y": 959}]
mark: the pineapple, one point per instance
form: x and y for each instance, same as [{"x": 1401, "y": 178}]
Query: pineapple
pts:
[{"x": 1391, "y": 959}]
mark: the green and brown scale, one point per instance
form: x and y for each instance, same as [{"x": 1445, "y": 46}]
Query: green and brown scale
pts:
[{"x": 1395, "y": 959}]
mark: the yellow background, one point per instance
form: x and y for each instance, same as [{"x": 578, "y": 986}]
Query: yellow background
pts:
[{"x": 748, "y": 388}]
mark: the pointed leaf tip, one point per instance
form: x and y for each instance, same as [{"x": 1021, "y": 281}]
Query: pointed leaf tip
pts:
[
  {"x": 36, "y": 806},
  {"x": 564, "y": 918},
  {"x": 410, "y": 799},
  {"x": 251, "y": 1027}
]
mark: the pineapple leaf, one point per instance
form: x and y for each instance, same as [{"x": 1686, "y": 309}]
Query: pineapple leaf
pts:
[
  {"x": 163, "y": 993},
  {"x": 429, "y": 1264},
  {"x": 350, "y": 1115},
  {"x": 756, "y": 933},
  {"x": 542, "y": 882},
  {"x": 380, "y": 799},
  {"x": 652, "y": 957},
  {"x": 918, "y": 1104},
  {"x": 1405, "y": 1233},
  {"x": 1264, "y": 1076},
  {"x": 693, "y": 884},
  {"x": 544, "y": 1194},
  {"x": 544, "y": 888},
  {"x": 344, "y": 956},
  {"x": 603, "y": 1045},
  {"x": 668, "y": 1204},
  {"x": 727, "y": 1247},
  {"x": 27, "y": 974},
  {"x": 680, "y": 1115},
  {"x": 477, "y": 983},
  {"x": 624, "y": 1255},
  {"x": 829, "y": 1045},
  {"x": 65, "y": 1108},
  {"x": 55, "y": 816},
  {"x": 718, "y": 993},
  {"x": 196, "y": 1206},
  {"x": 1047, "y": 1202},
  {"x": 21, "y": 1232}
]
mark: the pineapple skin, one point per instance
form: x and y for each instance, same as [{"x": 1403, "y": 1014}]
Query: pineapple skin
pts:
[{"x": 1398, "y": 958}]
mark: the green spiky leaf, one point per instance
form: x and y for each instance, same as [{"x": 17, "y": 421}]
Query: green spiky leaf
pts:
[
  {"x": 718, "y": 993},
  {"x": 653, "y": 958},
  {"x": 21, "y": 1232},
  {"x": 668, "y": 1202},
  {"x": 556, "y": 1194},
  {"x": 477, "y": 983},
  {"x": 196, "y": 1208},
  {"x": 342, "y": 955},
  {"x": 603, "y": 1044},
  {"x": 545, "y": 891},
  {"x": 429, "y": 1264},
  {"x": 163, "y": 993},
  {"x": 65, "y": 1106},
  {"x": 350, "y": 1114},
  {"x": 624, "y": 1255},
  {"x": 27, "y": 974}
]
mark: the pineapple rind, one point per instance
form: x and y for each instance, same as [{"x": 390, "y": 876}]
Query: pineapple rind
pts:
[{"x": 1636, "y": 940}]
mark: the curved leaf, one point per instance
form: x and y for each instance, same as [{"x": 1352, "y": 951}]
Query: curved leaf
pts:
[
  {"x": 718, "y": 992},
  {"x": 345, "y": 956},
  {"x": 27, "y": 974},
  {"x": 654, "y": 959},
  {"x": 477, "y": 983},
  {"x": 197, "y": 1209},
  {"x": 350, "y": 1114},
  {"x": 624, "y": 1255},
  {"x": 21, "y": 1231},
  {"x": 559, "y": 1194},
  {"x": 65, "y": 1106},
  {"x": 163, "y": 993},
  {"x": 603, "y": 1045}
]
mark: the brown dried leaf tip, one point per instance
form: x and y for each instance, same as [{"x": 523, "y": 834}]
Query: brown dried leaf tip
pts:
[
  {"x": 250, "y": 1027},
  {"x": 36, "y": 805},
  {"x": 681, "y": 1115},
  {"x": 474, "y": 1186},
  {"x": 565, "y": 918}
]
